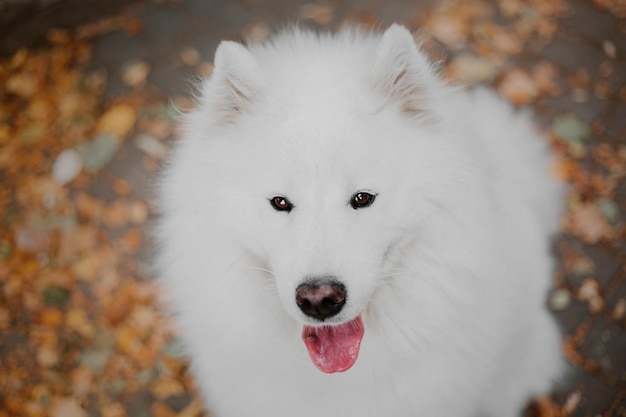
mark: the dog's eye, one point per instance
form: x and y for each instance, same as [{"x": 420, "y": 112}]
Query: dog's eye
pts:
[
  {"x": 281, "y": 203},
  {"x": 362, "y": 200}
]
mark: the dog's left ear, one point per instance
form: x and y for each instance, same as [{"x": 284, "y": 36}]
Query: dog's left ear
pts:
[
  {"x": 234, "y": 84},
  {"x": 402, "y": 74}
]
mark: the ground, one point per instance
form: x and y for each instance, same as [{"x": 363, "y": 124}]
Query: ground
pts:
[{"x": 87, "y": 115}]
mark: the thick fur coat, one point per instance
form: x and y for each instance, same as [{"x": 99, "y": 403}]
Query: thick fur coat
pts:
[{"x": 420, "y": 213}]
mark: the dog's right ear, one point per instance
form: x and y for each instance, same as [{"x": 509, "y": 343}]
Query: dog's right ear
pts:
[{"x": 234, "y": 84}]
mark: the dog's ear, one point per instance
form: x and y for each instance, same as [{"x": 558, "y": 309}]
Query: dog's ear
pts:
[
  {"x": 234, "y": 84},
  {"x": 402, "y": 74}
]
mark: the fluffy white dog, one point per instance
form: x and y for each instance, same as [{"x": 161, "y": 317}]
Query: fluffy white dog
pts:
[{"x": 344, "y": 235}]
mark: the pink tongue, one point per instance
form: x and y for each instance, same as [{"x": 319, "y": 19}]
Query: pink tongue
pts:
[{"x": 334, "y": 348}]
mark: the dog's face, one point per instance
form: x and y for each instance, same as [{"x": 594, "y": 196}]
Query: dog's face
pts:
[{"x": 327, "y": 212}]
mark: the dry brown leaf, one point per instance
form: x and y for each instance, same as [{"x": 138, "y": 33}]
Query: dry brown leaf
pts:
[
  {"x": 116, "y": 214},
  {"x": 77, "y": 320},
  {"x": 51, "y": 317},
  {"x": 22, "y": 84},
  {"x": 619, "y": 311},
  {"x": 165, "y": 387},
  {"x": 161, "y": 409},
  {"x": 545, "y": 407},
  {"x": 128, "y": 340},
  {"x": 122, "y": 187},
  {"x": 571, "y": 403},
  {"x": 138, "y": 212},
  {"x": 135, "y": 74},
  {"x": 113, "y": 410},
  {"x": 545, "y": 74},
  {"x": 118, "y": 121},
  {"x": 89, "y": 266},
  {"x": 117, "y": 308},
  {"x": 82, "y": 381},
  {"x": 190, "y": 56},
  {"x": 47, "y": 356},
  {"x": 66, "y": 407},
  {"x": 590, "y": 293},
  {"x": 34, "y": 409},
  {"x": 468, "y": 68},
  {"x": 519, "y": 87},
  {"x": 449, "y": 30},
  {"x": 565, "y": 169},
  {"x": 131, "y": 240},
  {"x": 194, "y": 409},
  {"x": 205, "y": 69},
  {"x": 586, "y": 222}
]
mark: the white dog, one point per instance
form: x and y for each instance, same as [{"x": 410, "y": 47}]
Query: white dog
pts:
[{"x": 344, "y": 235}]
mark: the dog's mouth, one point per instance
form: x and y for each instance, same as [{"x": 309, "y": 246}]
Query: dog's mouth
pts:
[{"x": 334, "y": 348}]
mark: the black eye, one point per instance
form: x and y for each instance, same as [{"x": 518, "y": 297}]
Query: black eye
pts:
[
  {"x": 281, "y": 203},
  {"x": 362, "y": 200}
]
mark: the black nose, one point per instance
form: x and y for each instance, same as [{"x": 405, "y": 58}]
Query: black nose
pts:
[{"x": 321, "y": 299}]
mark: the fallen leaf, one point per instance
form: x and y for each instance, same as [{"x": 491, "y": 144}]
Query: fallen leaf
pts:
[
  {"x": 609, "y": 209},
  {"x": 151, "y": 146},
  {"x": 22, "y": 84},
  {"x": 588, "y": 223},
  {"x": 165, "y": 387},
  {"x": 98, "y": 152},
  {"x": 559, "y": 300},
  {"x": 470, "y": 69},
  {"x": 190, "y": 56},
  {"x": 117, "y": 308},
  {"x": 47, "y": 356},
  {"x": 113, "y": 410},
  {"x": 583, "y": 266},
  {"x": 545, "y": 75},
  {"x": 51, "y": 317},
  {"x": 122, "y": 187},
  {"x": 609, "y": 48},
  {"x": 319, "y": 13},
  {"x": 116, "y": 214},
  {"x": 205, "y": 69},
  {"x": 571, "y": 403},
  {"x": 571, "y": 129},
  {"x": 56, "y": 296},
  {"x": 546, "y": 407},
  {"x": 67, "y": 166},
  {"x": 620, "y": 310},
  {"x": 519, "y": 87},
  {"x": 88, "y": 267},
  {"x": 77, "y": 320},
  {"x": 34, "y": 409},
  {"x": 135, "y": 73},
  {"x": 449, "y": 30},
  {"x": 66, "y": 407},
  {"x": 589, "y": 292},
  {"x": 131, "y": 240},
  {"x": 138, "y": 212},
  {"x": 161, "y": 409},
  {"x": 194, "y": 409},
  {"x": 117, "y": 121},
  {"x": 95, "y": 360},
  {"x": 82, "y": 380}
]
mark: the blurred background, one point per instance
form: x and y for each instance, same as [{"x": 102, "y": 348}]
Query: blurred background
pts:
[{"x": 89, "y": 95}]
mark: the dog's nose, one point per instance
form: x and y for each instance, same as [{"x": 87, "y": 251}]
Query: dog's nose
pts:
[{"x": 321, "y": 298}]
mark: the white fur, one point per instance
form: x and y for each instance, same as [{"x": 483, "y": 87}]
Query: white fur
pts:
[{"x": 449, "y": 267}]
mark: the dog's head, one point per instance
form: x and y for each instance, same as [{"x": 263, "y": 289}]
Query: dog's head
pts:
[{"x": 327, "y": 165}]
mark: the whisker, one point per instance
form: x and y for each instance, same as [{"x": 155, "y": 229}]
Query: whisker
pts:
[{"x": 259, "y": 268}]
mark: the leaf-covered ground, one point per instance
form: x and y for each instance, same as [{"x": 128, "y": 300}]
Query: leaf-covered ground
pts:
[{"x": 86, "y": 120}]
